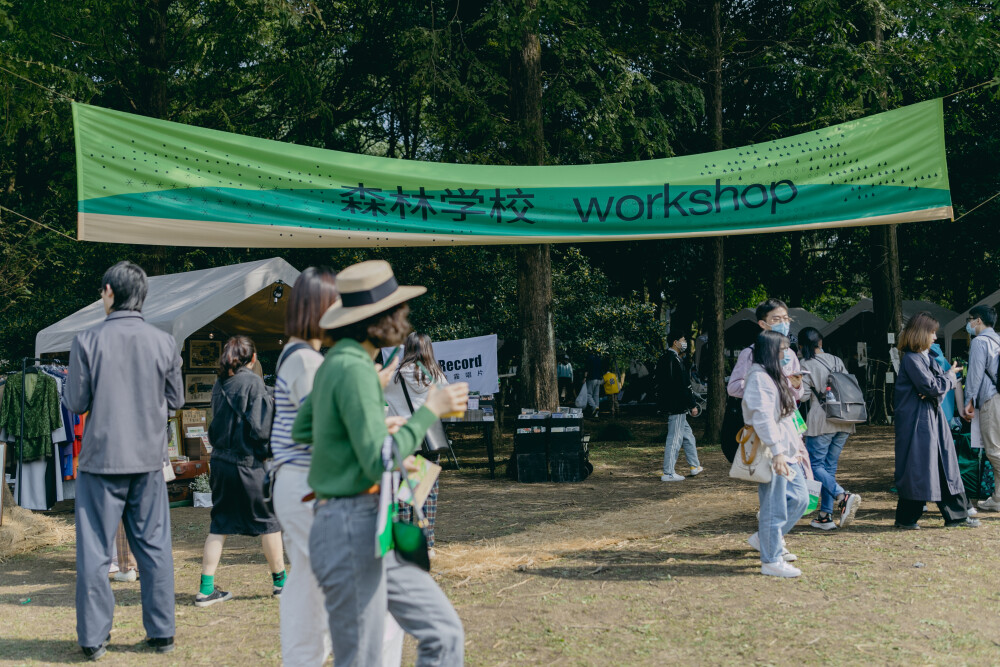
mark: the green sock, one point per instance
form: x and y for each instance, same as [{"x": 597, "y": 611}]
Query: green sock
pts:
[
  {"x": 278, "y": 578},
  {"x": 207, "y": 584}
]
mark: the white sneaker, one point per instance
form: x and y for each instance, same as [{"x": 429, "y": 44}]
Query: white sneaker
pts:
[
  {"x": 129, "y": 576},
  {"x": 848, "y": 508},
  {"x": 990, "y": 505},
  {"x": 973, "y": 512},
  {"x": 674, "y": 477},
  {"x": 780, "y": 569},
  {"x": 788, "y": 556},
  {"x": 696, "y": 469}
]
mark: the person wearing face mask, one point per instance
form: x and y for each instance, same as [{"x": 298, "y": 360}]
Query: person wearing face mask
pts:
[
  {"x": 982, "y": 405},
  {"x": 676, "y": 400}
]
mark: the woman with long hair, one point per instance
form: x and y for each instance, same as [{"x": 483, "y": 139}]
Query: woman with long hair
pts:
[
  {"x": 768, "y": 406},
  {"x": 344, "y": 420},
  {"x": 824, "y": 438},
  {"x": 305, "y": 637},
  {"x": 242, "y": 411},
  {"x": 404, "y": 394},
  {"x": 926, "y": 463}
]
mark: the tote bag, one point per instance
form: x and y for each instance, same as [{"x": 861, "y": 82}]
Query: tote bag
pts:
[{"x": 752, "y": 462}]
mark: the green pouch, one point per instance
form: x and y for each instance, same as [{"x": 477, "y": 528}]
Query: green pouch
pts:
[
  {"x": 815, "y": 489},
  {"x": 410, "y": 542},
  {"x": 800, "y": 423}
]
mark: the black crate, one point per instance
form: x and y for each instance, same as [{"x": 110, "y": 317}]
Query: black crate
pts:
[
  {"x": 567, "y": 442},
  {"x": 532, "y": 467},
  {"x": 530, "y": 443},
  {"x": 568, "y": 467}
]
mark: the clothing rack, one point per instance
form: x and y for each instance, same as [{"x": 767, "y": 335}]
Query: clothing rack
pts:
[{"x": 20, "y": 449}]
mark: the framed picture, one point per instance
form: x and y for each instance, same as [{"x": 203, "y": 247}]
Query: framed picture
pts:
[
  {"x": 198, "y": 388},
  {"x": 203, "y": 354}
]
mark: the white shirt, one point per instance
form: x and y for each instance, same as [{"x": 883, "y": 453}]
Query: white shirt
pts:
[
  {"x": 762, "y": 410},
  {"x": 396, "y": 399},
  {"x": 293, "y": 384}
]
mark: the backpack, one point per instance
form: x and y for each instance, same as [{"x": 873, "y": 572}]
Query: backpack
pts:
[
  {"x": 611, "y": 384},
  {"x": 842, "y": 398}
]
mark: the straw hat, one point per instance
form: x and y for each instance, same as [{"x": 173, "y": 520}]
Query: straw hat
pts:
[{"x": 366, "y": 289}]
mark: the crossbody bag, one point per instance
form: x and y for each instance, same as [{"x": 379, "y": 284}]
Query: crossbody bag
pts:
[{"x": 435, "y": 441}]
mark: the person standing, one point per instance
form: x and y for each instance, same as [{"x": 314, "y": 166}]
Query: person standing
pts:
[
  {"x": 305, "y": 635},
  {"x": 592, "y": 380},
  {"x": 404, "y": 394},
  {"x": 564, "y": 376},
  {"x": 127, "y": 375},
  {"x": 926, "y": 463},
  {"x": 982, "y": 403},
  {"x": 242, "y": 412},
  {"x": 824, "y": 438},
  {"x": 676, "y": 399},
  {"x": 344, "y": 420},
  {"x": 768, "y": 405}
]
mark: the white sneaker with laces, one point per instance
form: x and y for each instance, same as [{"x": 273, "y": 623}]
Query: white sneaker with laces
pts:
[
  {"x": 990, "y": 505},
  {"x": 674, "y": 477},
  {"x": 788, "y": 556},
  {"x": 780, "y": 569},
  {"x": 696, "y": 469}
]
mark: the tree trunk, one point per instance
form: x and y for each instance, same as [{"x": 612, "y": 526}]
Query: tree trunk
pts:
[
  {"x": 534, "y": 264},
  {"x": 714, "y": 318},
  {"x": 883, "y": 275}
]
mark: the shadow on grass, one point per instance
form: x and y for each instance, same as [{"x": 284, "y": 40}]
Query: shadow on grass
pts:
[{"x": 653, "y": 565}]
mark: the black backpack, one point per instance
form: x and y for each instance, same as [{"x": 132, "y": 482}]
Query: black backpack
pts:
[{"x": 842, "y": 398}]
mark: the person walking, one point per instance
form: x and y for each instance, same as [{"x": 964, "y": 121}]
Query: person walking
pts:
[
  {"x": 343, "y": 419},
  {"x": 404, "y": 394},
  {"x": 982, "y": 405},
  {"x": 564, "y": 376},
  {"x": 926, "y": 463},
  {"x": 127, "y": 375},
  {"x": 242, "y": 413},
  {"x": 592, "y": 380},
  {"x": 305, "y": 634},
  {"x": 768, "y": 405},
  {"x": 676, "y": 400},
  {"x": 824, "y": 438}
]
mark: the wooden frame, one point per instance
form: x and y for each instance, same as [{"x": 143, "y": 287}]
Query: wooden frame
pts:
[
  {"x": 204, "y": 354},
  {"x": 198, "y": 387}
]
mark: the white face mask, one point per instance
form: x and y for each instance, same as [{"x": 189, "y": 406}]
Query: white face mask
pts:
[{"x": 684, "y": 346}]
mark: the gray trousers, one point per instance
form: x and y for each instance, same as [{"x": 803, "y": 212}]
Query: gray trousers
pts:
[
  {"x": 358, "y": 588},
  {"x": 140, "y": 501}
]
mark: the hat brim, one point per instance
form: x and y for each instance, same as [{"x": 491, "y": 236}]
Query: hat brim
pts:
[{"x": 338, "y": 315}]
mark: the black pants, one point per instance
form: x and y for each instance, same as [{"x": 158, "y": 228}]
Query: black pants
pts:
[{"x": 953, "y": 507}]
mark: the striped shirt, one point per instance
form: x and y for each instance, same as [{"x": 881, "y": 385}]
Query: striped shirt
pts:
[{"x": 293, "y": 384}]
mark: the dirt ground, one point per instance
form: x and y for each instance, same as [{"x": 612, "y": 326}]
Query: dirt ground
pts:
[{"x": 619, "y": 569}]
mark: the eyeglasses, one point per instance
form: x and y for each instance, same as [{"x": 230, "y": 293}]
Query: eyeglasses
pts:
[{"x": 776, "y": 319}]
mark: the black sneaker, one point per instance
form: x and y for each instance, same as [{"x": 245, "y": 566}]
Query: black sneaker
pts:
[
  {"x": 276, "y": 590},
  {"x": 161, "y": 644},
  {"x": 908, "y": 526},
  {"x": 218, "y": 595},
  {"x": 96, "y": 652}
]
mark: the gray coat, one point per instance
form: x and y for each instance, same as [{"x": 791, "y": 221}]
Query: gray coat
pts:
[
  {"x": 127, "y": 374},
  {"x": 924, "y": 446}
]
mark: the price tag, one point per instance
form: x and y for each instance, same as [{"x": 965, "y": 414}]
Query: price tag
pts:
[
  {"x": 890, "y": 377},
  {"x": 892, "y": 338}
]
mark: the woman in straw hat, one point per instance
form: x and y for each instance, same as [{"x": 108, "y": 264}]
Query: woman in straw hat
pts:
[{"x": 344, "y": 421}]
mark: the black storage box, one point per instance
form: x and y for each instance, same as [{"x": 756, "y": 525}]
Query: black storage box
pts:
[{"x": 532, "y": 467}]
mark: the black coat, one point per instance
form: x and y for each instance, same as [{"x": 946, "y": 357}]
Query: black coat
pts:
[
  {"x": 673, "y": 385},
  {"x": 242, "y": 412},
  {"x": 924, "y": 446}
]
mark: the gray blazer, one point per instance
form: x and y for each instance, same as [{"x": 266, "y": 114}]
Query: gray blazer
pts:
[{"x": 127, "y": 374}]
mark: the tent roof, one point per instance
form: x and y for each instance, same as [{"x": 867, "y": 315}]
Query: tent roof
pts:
[
  {"x": 958, "y": 323},
  {"x": 910, "y": 308},
  {"x": 183, "y": 303}
]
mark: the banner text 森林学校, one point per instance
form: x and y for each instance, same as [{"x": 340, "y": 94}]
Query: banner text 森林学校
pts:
[{"x": 630, "y": 207}]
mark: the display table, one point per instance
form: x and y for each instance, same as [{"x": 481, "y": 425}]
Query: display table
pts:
[{"x": 476, "y": 419}]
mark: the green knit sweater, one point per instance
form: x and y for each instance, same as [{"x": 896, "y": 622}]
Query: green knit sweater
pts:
[{"x": 343, "y": 418}]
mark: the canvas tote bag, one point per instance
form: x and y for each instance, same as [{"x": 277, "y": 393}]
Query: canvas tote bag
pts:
[{"x": 752, "y": 462}]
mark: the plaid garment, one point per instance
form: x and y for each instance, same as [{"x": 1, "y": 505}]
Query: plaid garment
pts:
[{"x": 430, "y": 511}]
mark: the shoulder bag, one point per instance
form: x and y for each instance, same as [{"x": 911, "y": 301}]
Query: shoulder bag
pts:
[
  {"x": 752, "y": 462},
  {"x": 436, "y": 441}
]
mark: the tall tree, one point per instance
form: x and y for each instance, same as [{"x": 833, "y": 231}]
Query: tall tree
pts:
[{"x": 534, "y": 263}]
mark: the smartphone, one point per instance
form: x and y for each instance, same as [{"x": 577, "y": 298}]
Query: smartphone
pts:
[{"x": 392, "y": 356}]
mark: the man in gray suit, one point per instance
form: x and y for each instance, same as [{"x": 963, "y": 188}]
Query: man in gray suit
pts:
[{"x": 126, "y": 374}]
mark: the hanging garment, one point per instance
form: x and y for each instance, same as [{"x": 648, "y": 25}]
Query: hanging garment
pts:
[{"x": 41, "y": 414}]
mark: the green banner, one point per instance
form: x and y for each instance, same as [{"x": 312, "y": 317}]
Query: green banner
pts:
[{"x": 142, "y": 180}]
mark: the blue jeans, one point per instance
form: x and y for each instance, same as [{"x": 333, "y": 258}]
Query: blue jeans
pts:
[
  {"x": 824, "y": 454},
  {"x": 782, "y": 504},
  {"x": 679, "y": 435}
]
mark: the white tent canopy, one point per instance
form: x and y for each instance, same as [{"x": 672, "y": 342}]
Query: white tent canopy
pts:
[
  {"x": 910, "y": 308},
  {"x": 183, "y": 303}
]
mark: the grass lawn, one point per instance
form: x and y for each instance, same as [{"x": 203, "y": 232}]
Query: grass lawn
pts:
[{"x": 619, "y": 569}]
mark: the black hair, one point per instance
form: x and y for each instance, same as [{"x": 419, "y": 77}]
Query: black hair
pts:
[
  {"x": 809, "y": 340},
  {"x": 314, "y": 291},
  {"x": 236, "y": 353},
  {"x": 767, "y": 352},
  {"x": 987, "y": 314},
  {"x": 129, "y": 283},
  {"x": 675, "y": 335},
  {"x": 764, "y": 309},
  {"x": 418, "y": 347}
]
